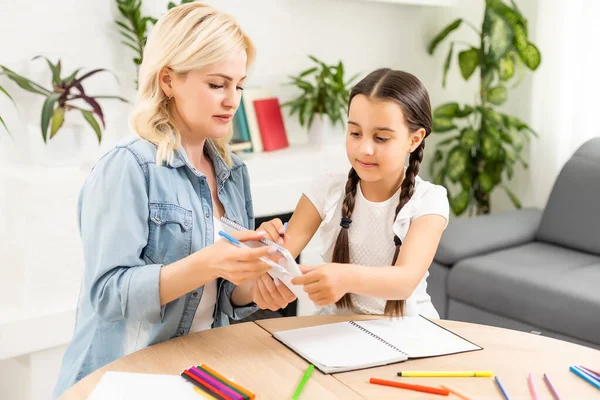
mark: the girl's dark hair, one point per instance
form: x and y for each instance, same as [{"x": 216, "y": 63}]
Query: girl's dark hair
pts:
[{"x": 410, "y": 94}]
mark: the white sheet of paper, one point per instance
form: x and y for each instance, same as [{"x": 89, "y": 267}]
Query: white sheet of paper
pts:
[{"x": 129, "y": 385}]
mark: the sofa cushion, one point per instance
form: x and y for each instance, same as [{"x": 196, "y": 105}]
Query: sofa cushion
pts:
[
  {"x": 537, "y": 283},
  {"x": 572, "y": 216}
]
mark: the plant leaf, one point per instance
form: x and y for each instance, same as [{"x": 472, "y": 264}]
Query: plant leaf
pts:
[
  {"x": 58, "y": 117},
  {"x": 442, "y": 35},
  {"x": 442, "y": 125},
  {"x": 54, "y": 68},
  {"x": 497, "y": 95},
  {"x": 25, "y": 83},
  {"x": 460, "y": 202},
  {"x": 520, "y": 38},
  {"x": 93, "y": 123},
  {"x": 468, "y": 137},
  {"x": 307, "y": 72},
  {"x": 506, "y": 68},
  {"x": 111, "y": 97},
  {"x": 447, "y": 64},
  {"x": 447, "y": 141},
  {"x": 468, "y": 60},
  {"x": 7, "y": 95},
  {"x": 78, "y": 81},
  {"x": 513, "y": 197},
  {"x": 5, "y": 127},
  {"x": 456, "y": 163},
  {"x": 465, "y": 112},
  {"x": 47, "y": 112},
  {"x": 500, "y": 35},
  {"x": 485, "y": 182},
  {"x": 531, "y": 56},
  {"x": 447, "y": 110}
]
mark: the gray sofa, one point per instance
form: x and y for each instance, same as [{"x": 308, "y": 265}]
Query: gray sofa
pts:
[{"x": 529, "y": 269}]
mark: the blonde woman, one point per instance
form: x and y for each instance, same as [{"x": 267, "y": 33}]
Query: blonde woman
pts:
[{"x": 149, "y": 212}]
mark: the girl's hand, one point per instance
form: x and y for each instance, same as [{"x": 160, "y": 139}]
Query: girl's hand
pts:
[
  {"x": 325, "y": 284},
  {"x": 238, "y": 265},
  {"x": 269, "y": 295},
  {"x": 274, "y": 230}
]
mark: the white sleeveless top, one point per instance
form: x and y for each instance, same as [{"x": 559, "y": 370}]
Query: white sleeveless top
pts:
[
  {"x": 204, "y": 317},
  {"x": 371, "y": 234}
]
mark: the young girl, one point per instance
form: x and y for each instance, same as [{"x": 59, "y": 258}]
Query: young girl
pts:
[{"x": 381, "y": 226}]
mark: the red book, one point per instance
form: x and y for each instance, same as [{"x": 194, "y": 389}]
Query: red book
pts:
[{"x": 270, "y": 124}]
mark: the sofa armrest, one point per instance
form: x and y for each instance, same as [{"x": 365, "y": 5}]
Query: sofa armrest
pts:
[{"x": 468, "y": 237}]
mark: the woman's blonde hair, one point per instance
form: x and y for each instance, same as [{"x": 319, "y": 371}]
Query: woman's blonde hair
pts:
[{"x": 188, "y": 37}]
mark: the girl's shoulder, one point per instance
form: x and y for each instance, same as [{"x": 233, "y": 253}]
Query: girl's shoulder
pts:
[
  {"x": 325, "y": 191},
  {"x": 427, "y": 199}
]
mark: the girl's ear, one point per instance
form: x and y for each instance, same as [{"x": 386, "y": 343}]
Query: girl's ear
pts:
[
  {"x": 416, "y": 138},
  {"x": 165, "y": 80}
]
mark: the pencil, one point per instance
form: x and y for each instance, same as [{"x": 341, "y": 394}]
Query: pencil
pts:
[
  {"x": 502, "y": 388},
  {"x": 418, "y": 388},
  {"x": 457, "y": 393},
  {"x": 300, "y": 387},
  {"x": 532, "y": 388},
  {"x": 551, "y": 387}
]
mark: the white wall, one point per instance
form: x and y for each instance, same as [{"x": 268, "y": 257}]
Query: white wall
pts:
[{"x": 364, "y": 35}]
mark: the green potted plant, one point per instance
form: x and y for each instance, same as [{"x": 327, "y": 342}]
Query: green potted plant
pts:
[
  {"x": 65, "y": 94},
  {"x": 133, "y": 27},
  {"x": 483, "y": 145},
  {"x": 324, "y": 95}
]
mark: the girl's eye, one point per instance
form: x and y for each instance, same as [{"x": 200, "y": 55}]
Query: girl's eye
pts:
[
  {"x": 354, "y": 134},
  {"x": 213, "y": 86}
]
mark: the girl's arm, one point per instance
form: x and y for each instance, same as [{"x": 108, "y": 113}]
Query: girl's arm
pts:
[
  {"x": 328, "y": 283},
  {"x": 416, "y": 254},
  {"x": 302, "y": 226}
]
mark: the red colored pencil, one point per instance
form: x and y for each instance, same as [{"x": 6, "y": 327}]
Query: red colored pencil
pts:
[{"x": 418, "y": 388}]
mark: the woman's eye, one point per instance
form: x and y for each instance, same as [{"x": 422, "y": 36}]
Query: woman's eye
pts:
[
  {"x": 381, "y": 140},
  {"x": 240, "y": 88},
  {"x": 213, "y": 86}
]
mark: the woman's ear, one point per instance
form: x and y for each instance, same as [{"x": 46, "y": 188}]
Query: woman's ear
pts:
[
  {"x": 165, "y": 79},
  {"x": 416, "y": 138}
]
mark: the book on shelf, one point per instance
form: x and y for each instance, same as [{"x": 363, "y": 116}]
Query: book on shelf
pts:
[{"x": 270, "y": 123}]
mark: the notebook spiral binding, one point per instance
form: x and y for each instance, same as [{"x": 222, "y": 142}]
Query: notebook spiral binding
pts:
[
  {"x": 267, "y": 242},
  {"x": 377, "y": 337}
]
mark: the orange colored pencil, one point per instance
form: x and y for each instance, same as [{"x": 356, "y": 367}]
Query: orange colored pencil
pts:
[
  {"x": 418, "y": 388},
  {"x": 233, "y": 384}
]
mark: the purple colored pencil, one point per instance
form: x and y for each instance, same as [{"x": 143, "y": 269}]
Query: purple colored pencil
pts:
[
  {"x": 213, "y": 382},
  {"x": 551, "y": 387}
]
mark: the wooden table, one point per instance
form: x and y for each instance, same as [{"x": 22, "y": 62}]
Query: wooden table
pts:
[{"x": 248, "y": 353}]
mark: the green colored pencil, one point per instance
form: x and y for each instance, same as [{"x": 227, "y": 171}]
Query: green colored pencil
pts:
[{"x": 309, "y": 371}]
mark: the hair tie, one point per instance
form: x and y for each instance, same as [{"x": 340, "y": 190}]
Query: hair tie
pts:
[
  {"x": 345, "y": 222},
  {"x": 397, "y": 241}
]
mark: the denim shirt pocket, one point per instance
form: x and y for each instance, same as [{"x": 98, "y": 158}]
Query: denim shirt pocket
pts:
[{"x": 170, "y": 233}]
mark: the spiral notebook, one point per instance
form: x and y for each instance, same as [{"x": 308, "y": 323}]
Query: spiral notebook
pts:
[
  {"x": 286, "y": 261},
  {"x": 351, "y": 345}
]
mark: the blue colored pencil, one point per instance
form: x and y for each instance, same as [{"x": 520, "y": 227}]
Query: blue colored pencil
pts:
[
  {"x": 583, "y": 375},
  {"x": 502, "y": 388}
]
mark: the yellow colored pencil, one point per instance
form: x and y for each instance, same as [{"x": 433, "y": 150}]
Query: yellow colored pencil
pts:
[
  {"x": 486, "y": 374},
  {"x": 204, "y": 394}
]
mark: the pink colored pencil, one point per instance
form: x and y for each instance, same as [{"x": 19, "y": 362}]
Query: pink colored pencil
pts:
[{"x": 532, "y": 388}]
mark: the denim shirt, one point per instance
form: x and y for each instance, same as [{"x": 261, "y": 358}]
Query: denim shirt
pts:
[{"x": 134, "y": 217}]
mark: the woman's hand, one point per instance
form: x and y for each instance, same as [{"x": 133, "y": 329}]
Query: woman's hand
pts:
[
  {"x": 274, "y": 230},
  {"x": 327, "y": 283},
  {"x": 238, "y": 265},
  {"x": 271, "y": 295}
]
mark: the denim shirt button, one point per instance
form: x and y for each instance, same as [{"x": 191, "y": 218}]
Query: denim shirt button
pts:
[
  {"x": 181, "y": 331},
  {"x": 157, "y": 218},
  {"x": 195, "y": 294},
  {"x": 206, "y": 215}
]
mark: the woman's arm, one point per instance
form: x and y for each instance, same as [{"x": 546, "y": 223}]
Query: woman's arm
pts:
[{"x": 328, "y": 283}]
